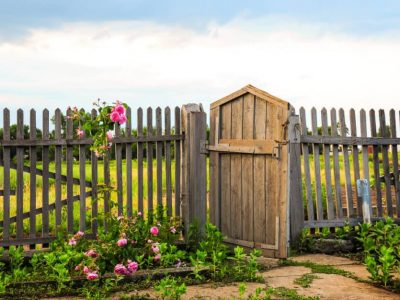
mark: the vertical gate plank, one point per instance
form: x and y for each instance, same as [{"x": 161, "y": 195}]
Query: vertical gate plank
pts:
[
  {"x": 247, "y": 170},
  {"x": 349, "y": 192},
  {"x": 167, "y": 119},
  {"x": 336, "y": 167},
  {"x": 149, "y": 159},
  {"x": 95, "y": 204},
  {"x": 307, "y": 175},
  {"x": 363, "y": 122},
  {"x": 393, "y": 132},
  {"x": 317, "y": 168},
  {"x": 376, "y": 164},
  {"x": 236, "y": 174},
  {"x": 20, "y": 174},
  {"x": 224, "y": 123},
  {"x": 6, "y": 175},
  {"x": 118, "y": 161},
  {"x": 159, "y": 156},
  {"x": 260, "y": 192},
  {"x": 386, "y": 167},
  {"x": 82, "y": 188},
  {"x": 128, "y": 156},
  {"x": 177, "y": 163},
  {"x": 107, "y": 183},
  {"x": 356, "y": 164},
  {"x": 70, "y": 187},
  {"x": 58, "y": 167},
  {"x": 45, "y": 177},
  {"x": 32, "y": 175},
  {"x": 327, "y": 160},
  {"x": 140, "y": 159}
]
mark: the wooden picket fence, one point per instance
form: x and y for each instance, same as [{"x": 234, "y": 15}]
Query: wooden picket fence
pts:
[
  {"x": 337, "y": 150},
  {"x": 159, "y": 137}
]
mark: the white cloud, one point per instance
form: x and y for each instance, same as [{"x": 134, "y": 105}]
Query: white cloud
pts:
[{"x": 306, "y": 64}]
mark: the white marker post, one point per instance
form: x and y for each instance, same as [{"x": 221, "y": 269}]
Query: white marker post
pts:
[{"x": 363, "y": 192}]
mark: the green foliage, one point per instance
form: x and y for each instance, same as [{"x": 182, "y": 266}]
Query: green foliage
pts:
[
  {"x": 305, "y": 280},
  {"x": 381, "y": 250},
  {"x": 170, "y": 288}
]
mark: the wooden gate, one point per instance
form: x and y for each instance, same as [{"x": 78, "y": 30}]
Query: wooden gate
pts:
[{"x": 249, "y": 170}]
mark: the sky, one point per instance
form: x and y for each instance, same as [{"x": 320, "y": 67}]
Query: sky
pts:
[{"x": 158, "y": 53}]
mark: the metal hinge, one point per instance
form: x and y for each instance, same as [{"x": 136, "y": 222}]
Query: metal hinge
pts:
[{"x": 203, "y": 147}]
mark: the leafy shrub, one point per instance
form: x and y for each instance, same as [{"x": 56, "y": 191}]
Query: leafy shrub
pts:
[
  {"x": 381, "y": 250},
  {"x": 170, "y": 288}
]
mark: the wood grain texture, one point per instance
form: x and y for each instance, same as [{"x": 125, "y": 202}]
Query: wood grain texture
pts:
[
  {"x": 327, "y": 163},
  {"x": 128, "y": 157},
  {"x": 58, "y": 167},
  {"x": 6, "y": 175},
  {"x": 168, "y": 181},
  {"x": 375, "y": 158},
  {"x": 69, "y": 163},
  {"x": 20, "y": 174},
  {"x": 94, "y": 194},
  {"x": 393, "y": 133},
  {"x": 45, "y": 177},
  {"x": 159, "y": 156},
  {"x": 32, "y": 175},
  {"x": 149, "y": 160},
  {"x": 140, "y": 159},
  {"x": 356, "y": 164},
  {"x": 317, "y": 168}
]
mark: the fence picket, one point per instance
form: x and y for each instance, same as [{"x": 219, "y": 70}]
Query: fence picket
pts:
[
  {"x": 149, "y": 160},
  {"x": 20, "y": 174},
  {"x": 6, "y": 175},
  {"x": 167, "y": 119},
  {"x": 140, "y": 159},
  {"x": 317, "y": 167},
  {"x": 356, "y": 164},
  {"x": 159, "y": 156},
  {"x": 95, "y": 204},
  {"x": 32, "y": 177},
  {"x": 177, "y": 162},
  {"x": 393, "y": 132},
  {"x": 45, "y": 177},
  {"x": 310, "y": 205},
  {"x": 376, "y": 163},
  {"x": 70, "y": 187},
  {"x": 386, "y": 167},
  {"x": 118, "y": 160},
  {"x": 363, "y": 122},
  {"x": 327, "y": 160},
  {"x": 58, "y": 165},
  {"x": 82, "y": 187},
  {"x": 336, "y": 166},
  {"x": 128, "y": 157}
]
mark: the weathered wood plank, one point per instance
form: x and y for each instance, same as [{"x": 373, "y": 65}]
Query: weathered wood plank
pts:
[
  {"x": 118, "y": 161},
  {"x": 386, "y": 166},
  {"x": 327, "y": 163},
  {"x": 159, "y": 157},
  {"x": 95, "y": 204},
  {"x": 69, "y": 163},
  {"x": 45, "y": 177},
  {"x": 393, "y": 133},
  {"x": 58, "y": 167},
  {"x": 365, "y": 158},
  {"x": 350, "y": 141},
  {"x": 6, "y": 176},
  {"x": 168, "y": 181},
  {"x": 349, "y": 191},
  {"x": 224, "y": 131},
  {"x": 140, "y": 159},
  {"x": 375, "y": 157},
  {"x": 82, "y": 188},
  {"x": 317, "y": 168},
  {"x": 177, "y": 163},
  {"x": 128, "y": 156},
  {"x": 149, "y": 160},
  {"x": 20, "y": 174},
  {"x": 32, "y": 175},
  {"x": 356, "y": 164},
  {"x": 336, "y": 166},
  {"x": 307, "y": 173},
  {"x": 107, "y": 184}
]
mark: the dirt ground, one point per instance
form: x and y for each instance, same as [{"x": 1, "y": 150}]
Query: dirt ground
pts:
[{"x": 324, "y": 286}]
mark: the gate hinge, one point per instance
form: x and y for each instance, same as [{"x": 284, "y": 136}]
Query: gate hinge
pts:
[{"x": 203, "y": 147}]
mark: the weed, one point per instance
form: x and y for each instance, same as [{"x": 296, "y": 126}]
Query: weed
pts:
[{"x": 305, "y": 280}]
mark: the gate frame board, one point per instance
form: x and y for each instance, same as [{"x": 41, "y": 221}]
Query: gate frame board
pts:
[{"x": 242, "y": 140}]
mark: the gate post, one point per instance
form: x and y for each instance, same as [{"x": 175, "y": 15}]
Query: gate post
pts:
[
  {"x": 296, "y": 210},
  {"x": 193, "y": 164}
]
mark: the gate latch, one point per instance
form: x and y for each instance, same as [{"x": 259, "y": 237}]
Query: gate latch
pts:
[{"x": 203, "y": 147}]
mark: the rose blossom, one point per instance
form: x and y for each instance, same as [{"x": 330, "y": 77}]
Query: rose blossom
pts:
[
  {"x": 122, "y": 242},
  {"x": 157, "y": 257},
  {"x": 91, "y": 253},
  {"x": 173, "y": 229},
  {"x": 139, "y": 213},
  {"x": 72, "y": 242},
  {"x": 120, "y": 109},
  {"x": 122, "y": 119},
  {"x": 86, "y": 270},
  {"x": 110, "y": 135},
  {"x": 79, "y": 234},
  {"x": 114, "y": 116},
  {"x": 155, "y": 249},
  {"x": 120, "y": 269},
  {"x": 80, "y": 133},
  {"x": 92, "y": 276},
  {"x": 154, "y": 230},
  {"x": 132, "y": 266},
  {"x": 78, "y": 268}
]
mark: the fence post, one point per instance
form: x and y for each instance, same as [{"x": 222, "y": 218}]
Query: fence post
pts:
[
  {"x": 193, "y": 164},
  {"x": 296, "y": 209},
  {"x": 363, "y": 191}
]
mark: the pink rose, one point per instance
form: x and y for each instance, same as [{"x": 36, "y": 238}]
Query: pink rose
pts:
[
  {"x": 110, "y": 135},
  {"x": 80, "y": 133},
  {"x": 72, "y": 242},
  {"x": 122, "y": 119},
  {"x": 120, "y": 269},
  {"x": 155, "y": 249},
  {"x": 132, "y": 266},
  {"x": 86, "y": 270},
  {"x": 173, "y": 229},
  {"x": 139, "y": 213},
  {"x": 120, "y": 109},
  {"x": 154, "y": 230},
  {"x": 157, "y": 257},
  {"x": 91, "y": 253},
  {"x": 122, "y": 242},
  {"x": 79, "y": 234},
  {"x": 92, "y": 276},
  {"x": 78, "y": 268},
  {"x": 114, "y": 116}
]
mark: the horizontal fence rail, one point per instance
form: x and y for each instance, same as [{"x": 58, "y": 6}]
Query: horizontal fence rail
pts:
[
  {"x": 64, "y": 181},
  {"x": 337, "y": 149}
]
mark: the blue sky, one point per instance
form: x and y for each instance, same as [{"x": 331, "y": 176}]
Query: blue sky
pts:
[{"x": 311, "y": 53}]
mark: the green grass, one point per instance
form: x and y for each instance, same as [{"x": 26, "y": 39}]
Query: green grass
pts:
[{"x": 305, "y": 280}]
